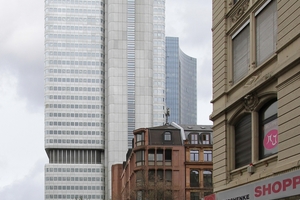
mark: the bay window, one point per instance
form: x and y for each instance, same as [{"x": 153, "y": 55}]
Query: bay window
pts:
[
  {"x": 140, "y": 158},
  {"x": 151, "y": 155},
  {"x": 140, "y": 140}
]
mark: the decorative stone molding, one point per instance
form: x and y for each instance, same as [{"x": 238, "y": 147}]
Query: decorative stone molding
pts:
[
  {"x": 250, "y": 102},
  {"x": 240, "y": 11},
  {"x": 251, "y": 80}
]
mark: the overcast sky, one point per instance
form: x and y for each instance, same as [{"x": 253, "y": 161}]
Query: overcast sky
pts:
[{"x": 22, "y": 155}]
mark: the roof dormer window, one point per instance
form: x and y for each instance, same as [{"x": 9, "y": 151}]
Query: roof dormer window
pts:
[{"x": 167, "y": 136}]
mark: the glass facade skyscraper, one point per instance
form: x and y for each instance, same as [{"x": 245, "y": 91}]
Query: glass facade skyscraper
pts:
[
  {"x": 103, "y": 62},
  {"x": 181, "y": 84}
]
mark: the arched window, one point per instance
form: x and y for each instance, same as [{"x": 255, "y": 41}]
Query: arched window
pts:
[
  {"x": 243, "y": 138},
  {"x": 268, "y": 135},
  {"x": 167, "y": 136},
  {"x": 207, "y": 178},
  {"x": 194, "y": 178}
]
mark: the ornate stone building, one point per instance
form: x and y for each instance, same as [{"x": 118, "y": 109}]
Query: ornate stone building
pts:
[{"x": 256, "y": 91}]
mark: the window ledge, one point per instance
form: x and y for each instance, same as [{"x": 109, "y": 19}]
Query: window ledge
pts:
[
  {"x": 266, "y": 161},
  {"x": 261, "y": 162},
  {"x": 239, "y": 170},
  {"x": 255, "y": 69}
]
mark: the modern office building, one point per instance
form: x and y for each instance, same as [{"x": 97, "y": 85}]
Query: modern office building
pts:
[
  {"x": 256, "y": 91},
  {"x": 181, "y": 84},
  {"x": 104, "y": 77},
  {"x": 167, "y": 162}
]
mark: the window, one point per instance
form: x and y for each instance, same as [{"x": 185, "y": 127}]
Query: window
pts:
[
  {"x": 207, "y": 156},
  {"x": 205, "y": 138},
  {"x": 195, "y": 195},
  {"x": 248, "y": 140},
  {"x": 264, "y": 37},
  {"x": 168, "y": 176},
  {"x": 168, "y": 157},
  {"x": 160, "y": 174},
  {"x": 140, "y": 139},
  {"x": 194, "y": 178},
  {"x": 151, "y": 175},
  {"x": 140, "y": 158},
  {"x": 139, "y": 178},
  {"x": 194, "y": 138},
  {"x": 194, "y": 155},
  {"x": 243, "y": 141},
  {"x": 167, "y": 136},
  {"x": 241, "y": 54},
  {"x": 268, "y": 130},
  {"x": 151, "y": 154},
  {"x": 207, "y": 178},
  {"x": 266, "y": 31},
  {"x": 159, "y": 157},
  {"x": 139, "y": 195}
]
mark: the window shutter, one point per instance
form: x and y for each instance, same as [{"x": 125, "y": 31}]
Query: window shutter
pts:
[
  {"x": 266, "y": 32},
  {"x": 241, "y": 54},
  {"x": 243, "y": 142}
]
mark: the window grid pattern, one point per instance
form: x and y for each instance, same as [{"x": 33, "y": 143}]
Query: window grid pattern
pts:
[
  {"x": 159, "y": 73},
  {"x": 74, "y": 80},
  {"x": 130, "y": 69}
]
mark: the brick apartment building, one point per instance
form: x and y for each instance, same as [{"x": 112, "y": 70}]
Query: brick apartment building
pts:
[
  {"x": 166, "y": 162},
  {"x": 256, "y": 92}
]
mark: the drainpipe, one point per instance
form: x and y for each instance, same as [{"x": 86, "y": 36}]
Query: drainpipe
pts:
[{"x": 181, "y": 131}]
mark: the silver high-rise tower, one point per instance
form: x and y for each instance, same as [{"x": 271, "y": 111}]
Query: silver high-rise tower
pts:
[{"x": 104, "y": 77}]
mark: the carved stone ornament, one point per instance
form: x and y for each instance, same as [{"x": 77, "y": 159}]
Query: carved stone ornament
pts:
[
  {"x": 240, "y": 11},
  {"x": 251, "y": 80},
  {"x": 250, "y": 102}
]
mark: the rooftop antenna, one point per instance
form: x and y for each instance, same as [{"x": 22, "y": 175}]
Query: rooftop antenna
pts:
[{"x": 167, "y": 115}]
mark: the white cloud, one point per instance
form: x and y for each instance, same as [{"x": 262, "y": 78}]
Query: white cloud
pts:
[
  {"x": 21, "y": 143},
  {"x": 22, "y": 154},
  {"x": 30, "y": 187},
  {"x": 21, "y": 49}
]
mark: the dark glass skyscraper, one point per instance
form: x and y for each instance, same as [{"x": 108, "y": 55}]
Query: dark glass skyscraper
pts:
[{"x": 181, "y": 84}]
